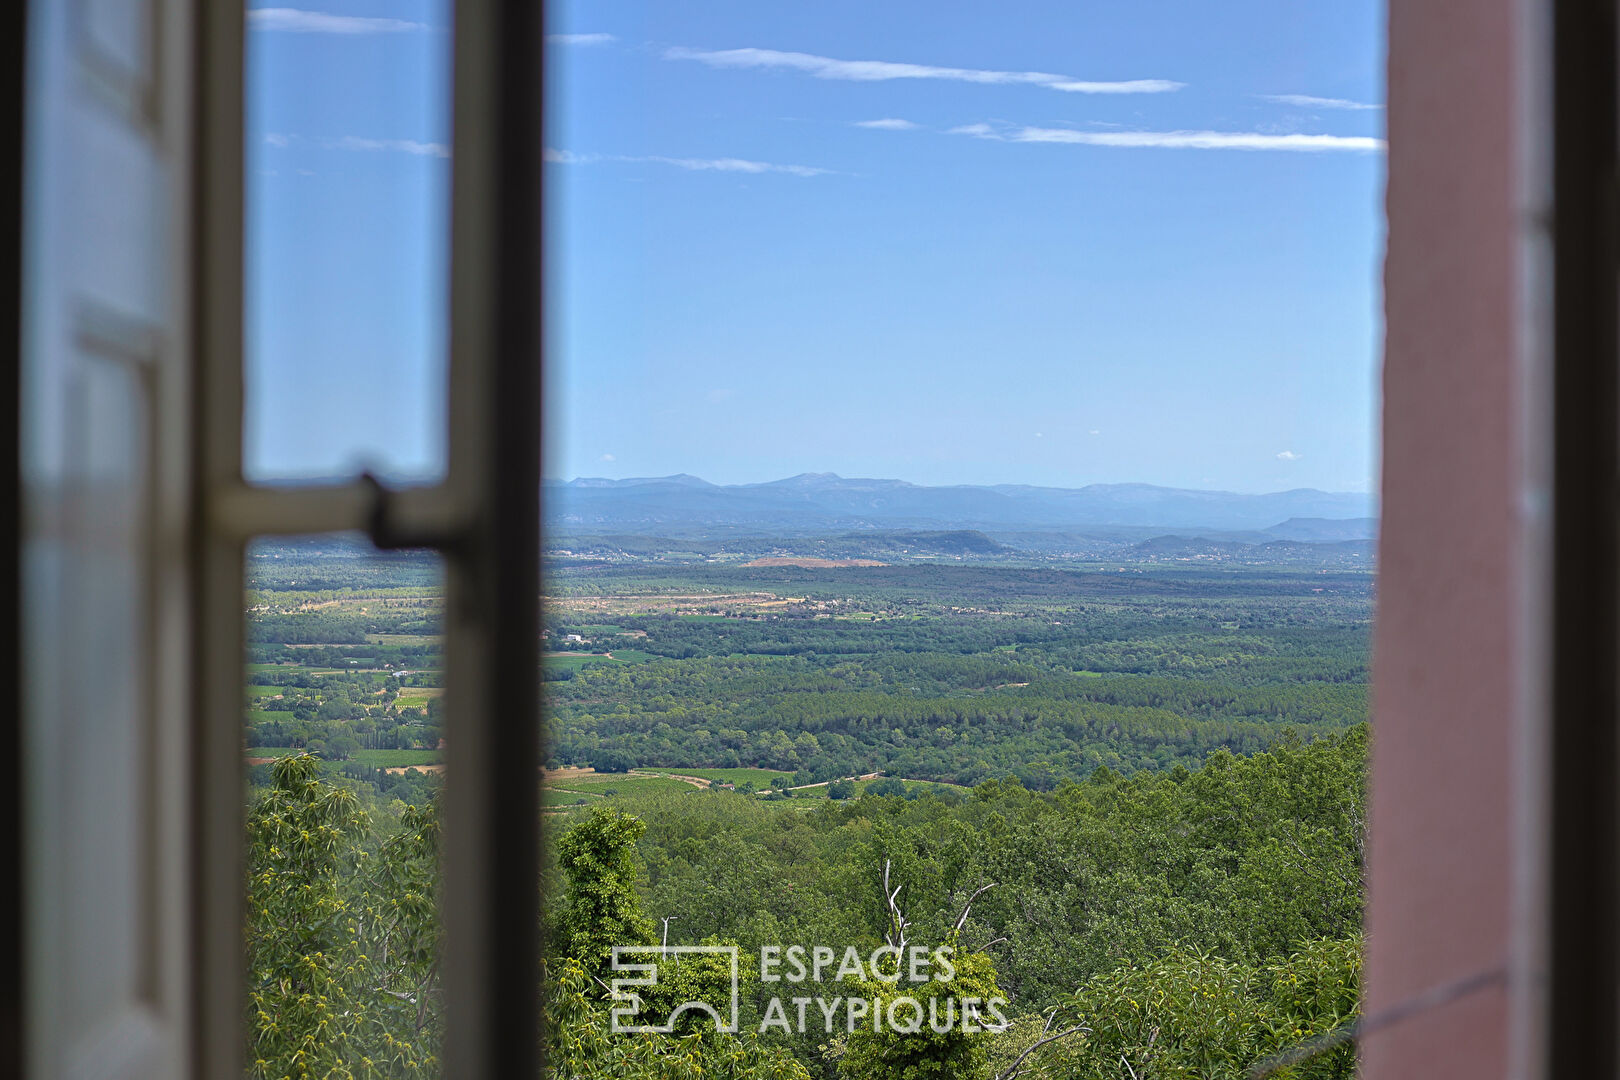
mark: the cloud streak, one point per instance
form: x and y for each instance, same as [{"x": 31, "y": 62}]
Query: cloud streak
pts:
[
  {"x": 398, "y": 146},
  {"x": 299, "y": 21},
  {"x": 729, "y": 165},
  {"x": 1306, "y": 101},
  {"x": 825, "y": 67},
  {"x": 733, "y": 165},
  {"x": 1288, "y": 455},
  {"x": 1177, "y": 140},
  {"x": 891, "y": 123},
  {"x": 356, "y": 142},
  {"x": 580, "y": 39}
]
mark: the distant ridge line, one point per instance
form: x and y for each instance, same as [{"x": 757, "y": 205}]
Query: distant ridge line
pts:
[
  {"x": 823, "y": 501},
  {"x": 808, "y": 478}
]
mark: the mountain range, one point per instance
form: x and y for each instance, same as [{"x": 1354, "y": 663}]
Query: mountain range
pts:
[{"x": 818, "y": 502}]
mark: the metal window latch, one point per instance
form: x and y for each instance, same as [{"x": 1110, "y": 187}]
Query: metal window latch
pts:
[{"x": 417, "y": 517}]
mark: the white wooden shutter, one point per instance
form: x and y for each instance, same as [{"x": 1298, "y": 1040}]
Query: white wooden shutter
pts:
[{"x": 105, "y": 471}]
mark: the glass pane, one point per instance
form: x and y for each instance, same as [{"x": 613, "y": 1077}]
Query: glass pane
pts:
[
  {"x": 343, "y": 732},
  {"x": 347, "y": 231}
]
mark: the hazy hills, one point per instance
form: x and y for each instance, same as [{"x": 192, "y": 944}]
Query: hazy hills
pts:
[
  {"x": 819, "y": 503},
  {"x": 1325, "y": 530}
]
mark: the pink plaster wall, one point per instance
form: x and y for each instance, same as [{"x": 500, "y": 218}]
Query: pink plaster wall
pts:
[{"x": 1446, "y": 656}]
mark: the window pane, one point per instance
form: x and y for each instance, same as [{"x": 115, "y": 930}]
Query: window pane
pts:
[
  {"x": 347, "y": 231},
  {"x": 344, "y": 743}
]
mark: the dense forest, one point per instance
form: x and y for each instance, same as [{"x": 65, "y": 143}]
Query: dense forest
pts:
[
  {"x": 1190, "y": 923},
  {"x": 1127, "y": 798},
  {"x": 955, "y": 674}
]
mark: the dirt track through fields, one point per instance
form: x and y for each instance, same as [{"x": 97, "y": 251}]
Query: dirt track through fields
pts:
[
  {"x": 824, "y": 783},
  {"x": 695, "y": 781}
]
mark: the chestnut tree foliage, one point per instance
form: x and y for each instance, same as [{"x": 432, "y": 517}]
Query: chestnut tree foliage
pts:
[{"x": 341, "y": 934}]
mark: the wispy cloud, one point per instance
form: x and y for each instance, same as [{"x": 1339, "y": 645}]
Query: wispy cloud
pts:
[
  {"x": 355, "y": 142},
  {"x": 400, "y": 146},
  {"x": 731, "y": 165},
  {"x": 890, "y": 123},
  {"x": 1306, "y": 101},
  {"x": 298, "y": 21},
  {"x": 581, "y": 39},
  {"x": 1289, "y": 455},
  {"x": 1128, "y": 86},
  {"x": 566, "y": 157},
  {"x": 736, "y": 165},
  {"x": 1176, "y": 140},
  {"x": 824, "y": 67}
]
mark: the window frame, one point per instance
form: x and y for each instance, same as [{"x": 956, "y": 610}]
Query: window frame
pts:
[{"x": 483, "y": 518}]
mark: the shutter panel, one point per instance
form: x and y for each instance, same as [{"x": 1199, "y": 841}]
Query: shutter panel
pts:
[{"x": 104, "y": 400}]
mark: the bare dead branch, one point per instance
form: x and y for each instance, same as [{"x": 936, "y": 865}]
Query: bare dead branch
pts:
[
  {"x": 1018, "y": 1062},
  {"x": 896, "y": 934},
  {"x": 1013, "y": 1069},
  {"x": 961, "y": 920}
]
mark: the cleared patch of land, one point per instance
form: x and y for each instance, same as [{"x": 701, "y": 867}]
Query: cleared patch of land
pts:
[
  {"x": 609, "y": 784},
  {"x": 551, "y": 777},
  {"x": 758, "y": 777},
  {"x": 576, "y": 659},
  {"x": 395, "y": 758},
  {"x": 392, "y": 759},
  {"x": 686, "y": 603},
  {"x": 416, "y": 695},
  {"x": 554, "y": 799}
]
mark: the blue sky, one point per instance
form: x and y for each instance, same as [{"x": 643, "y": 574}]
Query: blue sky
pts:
[
  {"x": 347, "y": 207},
  {"x": 1050, "y": 243}
]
